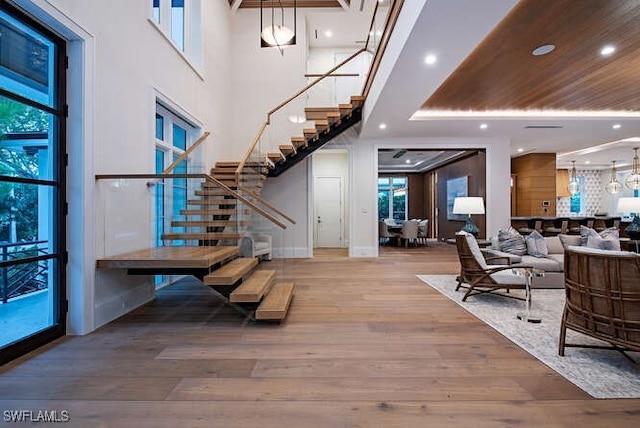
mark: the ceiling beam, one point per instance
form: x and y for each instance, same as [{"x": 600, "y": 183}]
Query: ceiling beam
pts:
[
  {"x": 235, "y": 5},
  {"x": 344, "y": 4}
]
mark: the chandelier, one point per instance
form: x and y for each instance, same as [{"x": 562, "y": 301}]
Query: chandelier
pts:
[
  {"x": 633, "y": 179},
  {"x": 613, "y": 186},
  {"x": 574, "y": 185}
]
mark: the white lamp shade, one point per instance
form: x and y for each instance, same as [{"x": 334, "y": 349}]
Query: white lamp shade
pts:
[
  {"x": 277, "y": 35},
  {"x": 629, "y": 205},
  {"x": 468, "y": 205}
]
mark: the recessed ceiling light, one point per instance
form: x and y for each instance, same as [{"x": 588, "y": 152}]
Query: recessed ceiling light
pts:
[
  {"x": 430, "y": 59},
  {"x": 382, "y": 126},
  {"x": 297, "y": 119},
  {"x": 607, "y": 50},
  {"x": 587, "y": 162},
  {"x": 483, "y": 126},
  {"x": 407, "y": 161},
  {"x": 543, "y": 50},
  {"x": 617, "y": 126},
  {"x": 328, "y": 33},
  {"x": 520, "y": 150}
]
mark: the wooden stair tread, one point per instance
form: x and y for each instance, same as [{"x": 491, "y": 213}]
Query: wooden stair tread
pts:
[
  {"x": 208, "y": 223},
  {"x": 213, "y": 212},
  {"x": 322, "y": 124},
  {"x": 200, "y": 236},
  {"x": 212, "y": 202},
  {"x": 357, "y": 101},
  {"x": 315, "y": 113},
  {"x": 277, "y": 157},
  {"x": 275, "y": 305},
  {"x": 287, "y": 149},
  {"x": 254, "y": 288},
  {"x": 299, "y": 142},
  {"x": 230, "y": 273},
  {"x": 170, "y": 257}
]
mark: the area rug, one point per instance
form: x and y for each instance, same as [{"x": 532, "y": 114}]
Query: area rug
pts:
[{"x": 600, "y": 373}]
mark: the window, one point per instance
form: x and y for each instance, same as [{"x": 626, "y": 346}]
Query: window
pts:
[
  {"x": 179, "y": 21},
  {"x": 392, "y": 198},
  {"x": 173, "y": 135}
]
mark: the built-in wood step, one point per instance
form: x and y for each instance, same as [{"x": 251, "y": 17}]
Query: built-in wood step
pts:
[
  {"x": 276, "y": 157},
  {"x": 208, "y": 223},
  {"x": 322, "y": 125},
  {"x": 357, "y": 101},
  {"x": 334, "y": 117},
  {"x": 210, "y": 202},
  {"x": 170, "y": 257},
  {"x": 202, "y": 236},
  {"x": 345, "y": 109},
  {"x": 212, "y": 192},
  {"x": 310, "y": 133},
  {"x": 231, "y": 185},
  {"x": 213, "y": 212},
  {"x": 254, "y": 288},
  {"x": 233, "y": 164},
  {"x": 275, "y": 305},
  {"x": 287, "y": 149},
  {"x": 299, "y": 142},
  {"x": 224, "y": 176},
  {"x": 315, "y": 113},
  {"x": 232, "y": 272}
]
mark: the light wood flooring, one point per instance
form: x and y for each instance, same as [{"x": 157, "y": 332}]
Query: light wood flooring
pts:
[{"x": 366, "y": 344}]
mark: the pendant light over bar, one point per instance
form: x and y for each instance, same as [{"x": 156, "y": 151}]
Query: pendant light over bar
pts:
[
  {"x": 633, "y": 180},
  {"x": 613, "y": 187},
  {"x": 574, "y": 185}
]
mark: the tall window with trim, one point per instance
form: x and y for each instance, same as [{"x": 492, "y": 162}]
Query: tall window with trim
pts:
[{"x": 179, "y": 21}]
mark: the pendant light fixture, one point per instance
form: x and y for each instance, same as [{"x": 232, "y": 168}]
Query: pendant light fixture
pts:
[
  {"x": 574, "y": 185},
  {"x": 633, "y": 179},
  {"x": 613, "y": 187},
  {"x": 276, "y": 33}
]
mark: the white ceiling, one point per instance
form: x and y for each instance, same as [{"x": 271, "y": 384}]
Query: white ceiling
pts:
[{"x": 451, "y": 29}]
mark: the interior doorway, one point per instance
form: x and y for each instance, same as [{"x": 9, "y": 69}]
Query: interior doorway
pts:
[{"x": 330, "y": 190}]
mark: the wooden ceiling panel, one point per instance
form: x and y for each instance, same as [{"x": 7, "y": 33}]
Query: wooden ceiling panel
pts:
[
  {"x": 501, "y": 73},
  {"x": 255, "y": 4}
]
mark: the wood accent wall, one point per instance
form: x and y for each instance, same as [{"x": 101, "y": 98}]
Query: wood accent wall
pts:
[
  {"x": 562, "y": 183},
  {"x": 536, "y": 182},
  {"x": 475, "y": 168}
]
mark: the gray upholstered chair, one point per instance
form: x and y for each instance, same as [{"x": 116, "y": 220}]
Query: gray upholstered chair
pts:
[
  {"x": 478, "y": 275},
  {"x": 384, "y": 235},
  {"x": 409, "y": 233}
]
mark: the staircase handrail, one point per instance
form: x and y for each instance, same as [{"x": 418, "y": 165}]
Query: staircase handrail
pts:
[
  {"x": 284, "y": 103},
  {"x": 207, "y": 177},
  {"x": 267, "y": 204},
  {"x": 394, "y": 11}
]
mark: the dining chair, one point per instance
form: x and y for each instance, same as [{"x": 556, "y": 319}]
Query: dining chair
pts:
[{"x": 409, "y": 233}]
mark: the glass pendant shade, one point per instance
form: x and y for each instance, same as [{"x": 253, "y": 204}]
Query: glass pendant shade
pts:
[
  {"x": 574, "y": 185},
  {"x": 277, "y": 35},
  {"x": 633, "y": 180},
  {"x": 613, "y": 187}
]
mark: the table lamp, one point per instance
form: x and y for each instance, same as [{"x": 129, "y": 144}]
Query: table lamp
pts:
[
  {"x": 631, "y": 205},
  {"x": 469, "y": 205}
]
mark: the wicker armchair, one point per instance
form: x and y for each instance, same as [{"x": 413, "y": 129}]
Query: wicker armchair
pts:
[
  {"x": 479, "y": 276},
  {"x": 602, "y": 298}
]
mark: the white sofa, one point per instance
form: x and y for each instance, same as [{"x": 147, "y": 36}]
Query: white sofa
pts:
[{"x": 552, "y": 264}]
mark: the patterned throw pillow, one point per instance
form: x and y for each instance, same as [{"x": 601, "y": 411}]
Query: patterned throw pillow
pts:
[
  {"x": 600, "y": 243},
  {"x": 536, "y": 245},
  {"x": 512, "y": 242},
  {"x": 586, "y": 232}
]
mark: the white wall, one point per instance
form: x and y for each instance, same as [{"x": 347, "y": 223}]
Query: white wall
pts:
[{"x": 125, "y": 61}]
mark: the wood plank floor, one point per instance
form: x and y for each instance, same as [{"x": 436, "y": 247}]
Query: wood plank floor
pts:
[{"x": 366, "y": 344}]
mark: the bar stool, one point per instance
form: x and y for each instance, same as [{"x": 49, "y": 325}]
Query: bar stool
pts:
[
  {"x": 560, "y": 226},
  {"x": 534, "y": 223},
  {"x": 587, "y": 222}
]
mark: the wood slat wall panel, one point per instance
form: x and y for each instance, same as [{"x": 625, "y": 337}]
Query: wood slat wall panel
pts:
[{"x": 501, "y": 73}]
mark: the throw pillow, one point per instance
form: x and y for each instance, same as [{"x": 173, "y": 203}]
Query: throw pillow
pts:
[
  {"x": 600, "y": 243},
  {"x": 586, "y": 232},
  {"x": 512, "y": 242},
  {"x": 569, "y": 240},
  {"x": 536, "y": 245}
]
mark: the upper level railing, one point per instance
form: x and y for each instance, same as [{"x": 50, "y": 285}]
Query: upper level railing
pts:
[{"x": 382, "y": 22}]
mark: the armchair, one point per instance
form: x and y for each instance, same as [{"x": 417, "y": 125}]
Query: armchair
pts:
[
  {"x": 481, "y": 277},
  {"x": 602, "y": 298},
  {"x": 256, "y": 245}
]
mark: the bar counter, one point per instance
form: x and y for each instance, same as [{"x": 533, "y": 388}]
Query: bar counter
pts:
[{"x": 574, "y": 222}]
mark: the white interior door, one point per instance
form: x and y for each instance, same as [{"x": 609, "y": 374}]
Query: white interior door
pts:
[{"x": 328, "y": 212}]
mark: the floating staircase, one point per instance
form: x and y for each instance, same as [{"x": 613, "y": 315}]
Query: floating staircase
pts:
[{"x": 214, "y": 222}]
